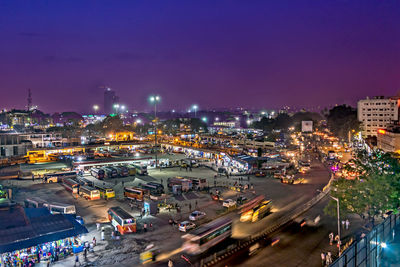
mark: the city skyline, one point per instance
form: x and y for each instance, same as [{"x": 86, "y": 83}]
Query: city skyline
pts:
[{"x": 264, "y": 55}]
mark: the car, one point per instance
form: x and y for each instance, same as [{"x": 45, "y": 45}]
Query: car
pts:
[
  {"x": 186, "y": 226},
  {"x": 228, "y": 203},
  {"x": 260, "y": 174},
  {"x": 196, "y": 215},
  {"x": 241, "y": 200}
]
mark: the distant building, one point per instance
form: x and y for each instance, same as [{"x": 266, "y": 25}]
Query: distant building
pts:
[
  {"x": 228, "y": 124},
  {"x": 110, "y": 98},
  {"x": 389, "y": 139},
  {"x": 41, "y": 140},
  {"x": 13, "y": 145},
  {"x": 377, "y": 113}
]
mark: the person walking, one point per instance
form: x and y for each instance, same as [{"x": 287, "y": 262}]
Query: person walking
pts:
[
  {"x": 145, "y": 227},
  {"x": 98, "y": 226},
  {"x": 94, "y": 241},
  {"x": 102, "y": 235},
  {"x": 329, "y": 258},
  {"x": 190, "y": 206},
  {"x": 343, "y": 223},
  {"x": 77, "y": 260},
  {"x": 151, "y": 226},
  {"x": 331, "y": 236},
  {"x": 347, "y": 224},
  {"x": 85, "y": 253},
  {"x": 170, "y": 263},
  {"x": 33, "y": 177},
  {"x": 323, "y": 260}
]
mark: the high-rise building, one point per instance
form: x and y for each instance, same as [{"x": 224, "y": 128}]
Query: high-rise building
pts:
[
  {"x": 110, "y": 98},
  {"x": 377, "y": 113}
]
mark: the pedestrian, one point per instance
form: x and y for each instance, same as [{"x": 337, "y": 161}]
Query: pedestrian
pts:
[
  {"x": 94, "y": 241},
  {"x": 102, "y": 235},
  {"x": 343, "y": 223},
  {"x": 322, "y": 259},
  {"x": 122, "y": 183},
  {"x": 145, "y": 227},
  {"x": 98, "y": 226},
  {"x": 85, "y": 253},
  {"x": 162, "y": 182},
  {"x": 151, "y": 226},
  {"x": 33, "y": 177},
  {"x": 347, "y": 224},
  {"x": 190, "y": 206},
  {"x": 196, "y": 203},
  {"x": 77, "y": 260},
  {"x": 331, "y": 238},
  {"x": 329, "y": 258},
  {"x": 170, "y": 263}
]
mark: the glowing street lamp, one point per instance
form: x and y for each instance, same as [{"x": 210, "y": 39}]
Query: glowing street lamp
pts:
[
  {"x": 95, "y": 108},
  {"x": 204, "y": 119},
  {"x": 195, "y": 108},
  {"x": 154, "y": 99}
]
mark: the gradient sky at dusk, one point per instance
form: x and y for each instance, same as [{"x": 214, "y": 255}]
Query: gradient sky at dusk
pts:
[{"x": 213, "y": 53}]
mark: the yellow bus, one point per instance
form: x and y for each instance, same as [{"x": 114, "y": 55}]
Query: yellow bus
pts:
[{"x": 105, "y": 192}]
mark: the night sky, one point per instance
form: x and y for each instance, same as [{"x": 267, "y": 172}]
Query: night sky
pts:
[{"x": 213, "y": 53}]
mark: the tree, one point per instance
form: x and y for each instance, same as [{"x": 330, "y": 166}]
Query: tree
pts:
[
  {"x": 341, "y": 120},
  {"x": 376, "y": 190},
  {"x": 112, "y": 124}
]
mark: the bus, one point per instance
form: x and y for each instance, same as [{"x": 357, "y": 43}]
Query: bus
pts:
[
  {"x": 110, "y": 172},
  {"x": 97, "y": 173},
  {"x": 198, "y": 183},
  {"x": 122, "y": 171},
  {"x": 154, "y": 188},
  {"x": 58, "y": 176},
  {"x": 34, "y": 202},
  {"x": 255, "y": 209},
  {"x": 60, "y": 208},
  {"x": 84, "y": 181},
  {"x": 141, "y": 169},
  {"x": 71, "y": 185},
  {"x": 121, "y": 219},
  {"x": 131, "y": 170},
  {"x": 135, "y": 193},
  {"x": 185, "y": 183},
  {"x": 203, "y": 238},
  {"x": 89, "y": 193},
  {"x": 105, "y": 192}
]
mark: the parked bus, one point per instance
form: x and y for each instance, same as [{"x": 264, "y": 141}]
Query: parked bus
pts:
[
  {"x": 84, "y": 181},
  {"x": 97, "y": 173},
  {"x": 60, "y": 208},
  {"x": 34, "y": 202},
  {"x": 121, "y": 219},
  {"x": 105, "y": 192},
  {"x": 141, "y": 169},
  {"x": 89, "y": 193},
  {"x": 198, "y": 183},
  {"x": 154, "y": 188},
  {"x": 185, "y": 183},
  {"x": 110, "y": 172},
  {"x": 58, "y": 176},
  {"x": 131, "y": 170},
  {"x": 135, "y": 193},
  {"x": 71, "y": 185},
  {"x": 207, "y": 236},
  {"x": 122, "y": 171}
]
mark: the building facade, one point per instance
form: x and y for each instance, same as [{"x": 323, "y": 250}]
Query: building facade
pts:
[
  {"x": 377, "y": 113},
  {"x": 389, "y": 139},
  {"x": 13, "y": 145}
]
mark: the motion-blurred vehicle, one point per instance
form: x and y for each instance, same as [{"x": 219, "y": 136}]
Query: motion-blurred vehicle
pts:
[
  {"x": 196, "y": 215},
  {"x": 260, "y": 174},
  {"x": 228, "y": 203},
  {"x": 186, "y": 226}
]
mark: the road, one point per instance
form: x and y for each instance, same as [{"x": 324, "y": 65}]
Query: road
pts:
[{"x": 298, "y": 246}]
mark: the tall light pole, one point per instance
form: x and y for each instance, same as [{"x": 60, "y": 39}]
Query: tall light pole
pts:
[
  {"x": 154, "y": 99},
  {"x": 195, "y": 108},
  {"x": 338, "y": 218},
  {"x": 95, "y": 108}
]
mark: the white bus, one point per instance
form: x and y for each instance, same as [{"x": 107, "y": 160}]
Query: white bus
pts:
[
  {"x": 60, "y": 208},
  {"x": 207, "y": 236},
  {"x": 141, "y": 169}
]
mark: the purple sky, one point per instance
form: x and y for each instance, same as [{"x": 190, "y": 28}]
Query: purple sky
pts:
[{"x": 213, "y": 53}]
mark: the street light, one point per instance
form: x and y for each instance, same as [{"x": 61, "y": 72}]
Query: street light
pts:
[
  {"x": 204, "y": 119},
  {"x": 154, "y": 99},
  {"x": 338, "y": 217},
  {"x": 195, "y": 108},
  {"x": 95, "y": 108}
]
